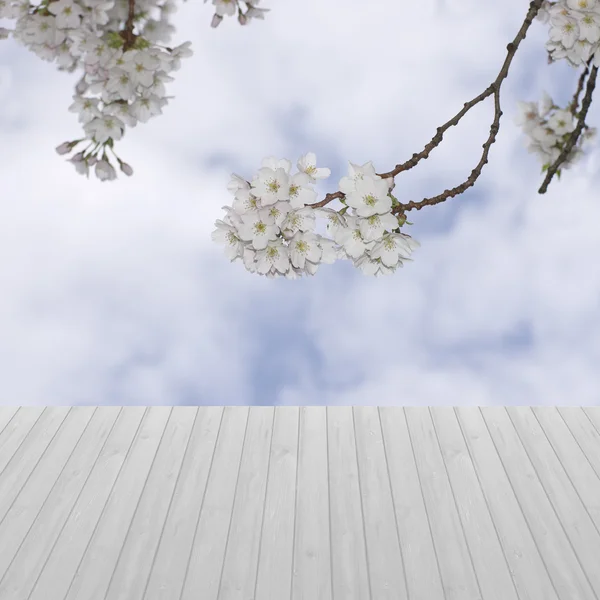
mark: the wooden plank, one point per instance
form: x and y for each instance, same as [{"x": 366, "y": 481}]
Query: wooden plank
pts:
[
  {"x": 423, "y": 577},
  {"x": 311, "y": 574},
  {"x": 569, "y": 578},
  {"x": 206, "y": 561},
  {"x": 70, "y": 552},
  {"x": 6, "y": 415},
  {"x": 579, "y": 528},
  {"x": 27, "y": 456},
  {"x": 15, "y": 431},
  {"x": 238, "y": 578},
  {"x": 526, "y": 565},
  {"x": 67, "y": 551},
  {"x": 455, "y": 562},
  {"x": 100, "y": 558},
  {"x": 274, "y": 577},
  {"x": 486, "y": 552},
  {"x": 384, "y": 555},
  {"x": 589, "y": 437},
  {"x": 348, "y": 546},
  {"x": 299, "y": 503},
  {"x": 173, "y": 552},
  {"x": 26, "y": 506},
  {"x": 29, "y": 560},
  {"x": 135, "y": 560},
  {"x": 593, "y": 414},
  {"x": 575, "y": 440}
]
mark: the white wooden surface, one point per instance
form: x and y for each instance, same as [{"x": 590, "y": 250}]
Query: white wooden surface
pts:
[{"x": 300, "y": 503}]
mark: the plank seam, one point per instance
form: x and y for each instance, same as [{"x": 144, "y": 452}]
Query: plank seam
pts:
[
  {"x": 455, "y": 502},
  {"x": 212, "y": 458},
  {"x": 566, "y": 471},
  {"x": 162, "y": 530},
  {"x": 74, "y": 505},
  {"x": 137, "y": 504},
  {"x": 295, "y": 506},
  {"x": 512, "y": 578},
  {"x": 23, "y": 440},
  {"x": 329, "y": 499},
  {"x": 424, "y": 504},
  {"x": 519, "y": 505},
  {"x": 262, "y": 521},
  {"x": 584, "y": 453},
  {"x": 235, "y": 491},
  {"x": 387, "y": 466},
  {"x": 36, "y": 463},
  {"x": 548, "y": 496},
  {"x": 135, "y": 437},
  {"x": 13, "y": 416},
  {"x": 48, "y": 496}
]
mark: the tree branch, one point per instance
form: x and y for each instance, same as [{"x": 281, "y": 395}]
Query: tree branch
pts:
[
  {"x": 127, "y": 33},
  {"x": 585, "y": 105},
  {"x": 494, "y": 89},
  {"x": 575, "y": 102}
]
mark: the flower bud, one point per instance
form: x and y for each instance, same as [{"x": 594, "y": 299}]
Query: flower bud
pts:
[
  {"x": 105, "y": 171},
  {"x": 216, "y": 20},
  {"x": 64, "y": 148},
  {"x": 126, "y": 169},
  {"x": 82, "y": 87},
  {"x": 242, "y": 18}
]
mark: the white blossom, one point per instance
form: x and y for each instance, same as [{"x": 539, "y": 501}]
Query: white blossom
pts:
[{"x": 369, "y": 197}]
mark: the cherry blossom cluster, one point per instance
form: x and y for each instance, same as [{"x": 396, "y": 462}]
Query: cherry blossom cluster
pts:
[
  {"x": 228, "y": 8},
  {"x": 271, "y": 225},
  {"x": 574, "y": 30},
  {"x": 131, "y": 89},
  {"x": 129, "y": 82},
  {"x": 548, "y": 128},
  {"x": 574, "y": 35},
  {"x": 124, "y": 73}
]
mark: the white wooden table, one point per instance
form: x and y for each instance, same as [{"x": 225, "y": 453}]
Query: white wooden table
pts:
[{"x": 290, "y": 503}]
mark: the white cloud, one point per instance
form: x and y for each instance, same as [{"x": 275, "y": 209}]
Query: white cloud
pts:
[{"x": 113, "y": 293}]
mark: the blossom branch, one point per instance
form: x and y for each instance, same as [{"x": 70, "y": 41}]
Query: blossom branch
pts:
[
  {"x": 494, "y": 89},
  {"x": 570, "y": 144}
]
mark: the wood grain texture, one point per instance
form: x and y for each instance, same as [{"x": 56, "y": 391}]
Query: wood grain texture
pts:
[
  {"x": 311, "y": 573},
  {"x": 238, "y": 575},
  {"x": 205, "y": 563},
  {"x": 18, "y": 581},
  {"x": 454, "y": 557},
  {"x": 563, "y": 565},
  {"x": 385, "y": 561},
  {"x": 299, "y": 503},
  {"x": 348, "y": 544},
  {"x": 491, "y": 568},
  {"x": 171, "y": 557},
  {"x": 423, "y": 576},
  {"x": 274, "y": 576}
]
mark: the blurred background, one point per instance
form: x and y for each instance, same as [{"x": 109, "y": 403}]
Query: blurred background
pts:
[{"x": 114, "y": 293}]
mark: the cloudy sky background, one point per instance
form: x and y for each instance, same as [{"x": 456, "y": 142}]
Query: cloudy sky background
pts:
[{"x": 114, "y": 293}]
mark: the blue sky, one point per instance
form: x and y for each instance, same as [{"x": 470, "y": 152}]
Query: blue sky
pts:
[{"x": 114, "y": 293}]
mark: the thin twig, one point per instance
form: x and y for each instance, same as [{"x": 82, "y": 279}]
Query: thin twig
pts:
[
  {"x": 575, "y": 101},
  {"x": 494, "y": 89}
]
